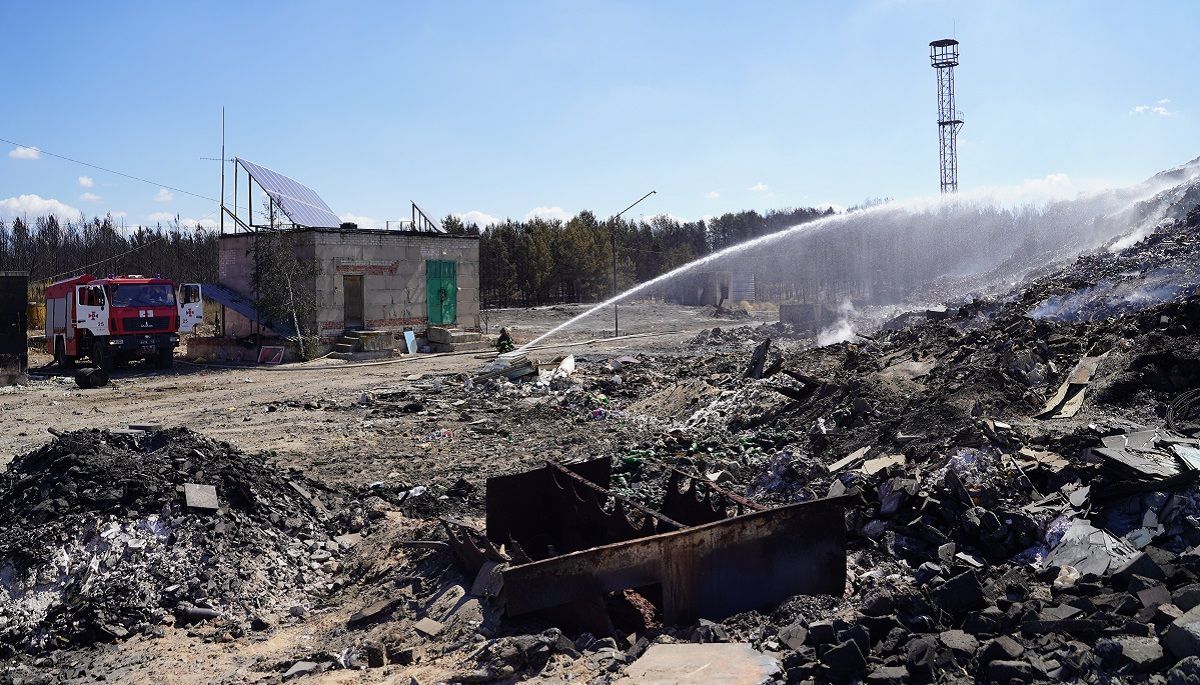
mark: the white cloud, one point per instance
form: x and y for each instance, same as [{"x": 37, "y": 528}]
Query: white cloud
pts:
[
  {"x": 86, "y": 182},
  {"x": 548, "y": 213},
  {"x": 170, "y": 217},
  {"x": 477, "y": 218},
  {"x": 712, "y": 194},
  {"x": 1159, "y": 109},
  {"x": 362, "y": 221},
  {"x": 163, "y": 195},
  {"x": 90, "y": 197},
  {"x": 204, "y": 223},
  {"x": 25, "y": 153},
  {"x": 31, "y": 206},
  {"x": 759, "y": 187}
]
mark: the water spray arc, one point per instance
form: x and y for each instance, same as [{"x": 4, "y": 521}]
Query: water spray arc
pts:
[
  {"x": 920, "y": 241},
  {"x": 943, "y": 54}
]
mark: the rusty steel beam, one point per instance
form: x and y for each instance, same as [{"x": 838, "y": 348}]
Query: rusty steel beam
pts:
[
  {"x": 753, "y": 561},
  {"x": 700, "y": 500},
  {"x": 605, "y": 492}
]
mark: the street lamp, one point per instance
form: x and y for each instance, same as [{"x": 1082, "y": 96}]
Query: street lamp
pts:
[{"x": 612, "y": 230}]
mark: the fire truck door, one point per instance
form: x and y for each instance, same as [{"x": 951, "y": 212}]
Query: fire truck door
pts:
[
  {"x": 191, "y": 307},
  {"x": 91, "y": 309}
]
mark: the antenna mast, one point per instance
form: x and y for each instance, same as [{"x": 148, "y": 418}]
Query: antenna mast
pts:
[{"x": 944, "y": 56}]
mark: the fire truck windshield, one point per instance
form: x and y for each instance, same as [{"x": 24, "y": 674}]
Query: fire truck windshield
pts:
[{"x": 141, "y": 295}]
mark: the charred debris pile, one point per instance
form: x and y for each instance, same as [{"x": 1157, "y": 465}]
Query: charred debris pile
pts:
[
  {"x": 1022, "y": 496},
  {"x": 107, "y": 534}
]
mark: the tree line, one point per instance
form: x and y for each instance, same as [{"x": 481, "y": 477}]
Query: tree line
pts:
[
  {"x": 50, "y": 249},
  {"x": 522, "y": 263},
  {"x": 541, "y": 261}
]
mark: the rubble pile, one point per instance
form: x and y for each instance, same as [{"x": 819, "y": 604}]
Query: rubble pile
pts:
[
  {"x": 1026, "y": 485},
  {"x": 107, "y": 534},
  {"x": 1021, "y": 476}
]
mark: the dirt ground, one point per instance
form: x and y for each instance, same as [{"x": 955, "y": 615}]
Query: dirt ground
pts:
[{"x": 231, "y": 403}]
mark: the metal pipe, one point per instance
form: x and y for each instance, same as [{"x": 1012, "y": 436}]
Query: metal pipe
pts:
[{"x": 222, "y": 171}]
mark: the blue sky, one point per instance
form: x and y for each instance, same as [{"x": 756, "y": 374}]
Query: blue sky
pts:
[{"x": 508, "y": 108}]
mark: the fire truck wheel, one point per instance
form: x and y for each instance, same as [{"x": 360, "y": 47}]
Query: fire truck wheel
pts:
[
  {"x": 61, "y": 357},
  {"x": 103, "y": 358},
  {"x": 164, "y": 359}
]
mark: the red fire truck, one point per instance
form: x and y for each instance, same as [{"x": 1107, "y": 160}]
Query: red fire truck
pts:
[{"x": 115, "y": 319}]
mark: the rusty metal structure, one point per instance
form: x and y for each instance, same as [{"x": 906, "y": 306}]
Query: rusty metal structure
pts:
[{"x": 564, "y": 540}]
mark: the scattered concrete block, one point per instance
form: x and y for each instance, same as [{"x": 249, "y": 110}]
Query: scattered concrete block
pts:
[
  {"x": 146, "y": 427},
  {"x": 428, "y": 627},
  {"x": 300, "y": 668},
  {"x": 200, "y": 497},
  {"x": 373, "y": 612},
  {"x": 699, "y": 664}
]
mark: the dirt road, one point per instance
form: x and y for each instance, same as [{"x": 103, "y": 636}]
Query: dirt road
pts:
[{"x": 263, "y": 408}]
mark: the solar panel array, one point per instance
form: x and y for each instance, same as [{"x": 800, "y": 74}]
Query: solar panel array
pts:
[{"x": 300, "y": 203}]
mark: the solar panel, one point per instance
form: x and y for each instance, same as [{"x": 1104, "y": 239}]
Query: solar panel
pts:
[{"x": 300, "y": 203}]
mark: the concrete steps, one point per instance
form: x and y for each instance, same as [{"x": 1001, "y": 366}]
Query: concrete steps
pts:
[
  {"x": 451, "y": 339},
  {"x": 447, "y": 335},
  {"x": 363, "y": 346},
  {"x": 467, "y": 346}
]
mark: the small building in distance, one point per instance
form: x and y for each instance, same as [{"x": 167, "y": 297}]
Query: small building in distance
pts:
[
  {"x": 368, "y": 286},
  {"x": 714, "y": 288}
]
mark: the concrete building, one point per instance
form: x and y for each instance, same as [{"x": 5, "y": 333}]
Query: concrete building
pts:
[
  {"x": 367, "y": 280},
  {"x": 711, "y": 288},
  {"x": 369, "y": 286}
]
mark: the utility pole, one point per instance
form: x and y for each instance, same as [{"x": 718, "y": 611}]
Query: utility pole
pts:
[{"x": 612, "y": 231}]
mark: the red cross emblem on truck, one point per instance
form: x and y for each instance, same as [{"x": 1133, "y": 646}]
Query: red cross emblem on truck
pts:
[{"x": 93, "y": 316}]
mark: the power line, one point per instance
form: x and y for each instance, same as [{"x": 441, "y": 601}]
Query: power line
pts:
[
  {"x": 111, "y": 171},
  {"x": 109, "y": 259}
]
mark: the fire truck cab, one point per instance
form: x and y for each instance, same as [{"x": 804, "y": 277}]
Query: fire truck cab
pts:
[{"x": 119, "y": 318}]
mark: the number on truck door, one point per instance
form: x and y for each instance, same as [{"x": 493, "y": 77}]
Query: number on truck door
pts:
[
  {"x": 191, "y": 307},
  {"x": 91, "y": 310}
]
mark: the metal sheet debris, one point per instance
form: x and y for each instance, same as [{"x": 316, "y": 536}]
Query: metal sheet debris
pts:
[
  {"x": 1066, "y": 402},
  {"x": 708, "y": 553}
]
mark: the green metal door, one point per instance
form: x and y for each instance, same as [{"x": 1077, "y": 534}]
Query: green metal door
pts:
[{"x": 441, "y": 291}]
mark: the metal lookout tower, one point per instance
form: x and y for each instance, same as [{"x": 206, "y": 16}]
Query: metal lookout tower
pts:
[{"x": 944, "y": 56}]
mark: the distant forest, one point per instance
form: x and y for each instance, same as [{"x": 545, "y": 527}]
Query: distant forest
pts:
[
  {"x": 49, "y": 249},
  {"x": 523, "y": 263},
  {"x": 537, "y": 262}
]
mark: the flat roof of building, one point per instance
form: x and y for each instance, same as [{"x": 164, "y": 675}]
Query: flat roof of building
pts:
[{"x": 361, "y": 231}]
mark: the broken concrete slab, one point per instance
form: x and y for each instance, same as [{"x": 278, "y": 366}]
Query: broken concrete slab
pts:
[
  {"x": 1090, "y": 550},
  {"x": 200, "y": 497},
  {"x": 1182, "y": 637},
  {"x": 873, "y": 466},
  {"x": 428, "y": 627},
  {"x": 852, "y": 458},
  {"x": 145, "y": 427},
  {"x": 373, "y": 612},
  {"x": 701, "y": 664},
  {"x": 300, "y": 668},
  {"x": 348, "y": 540}
]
